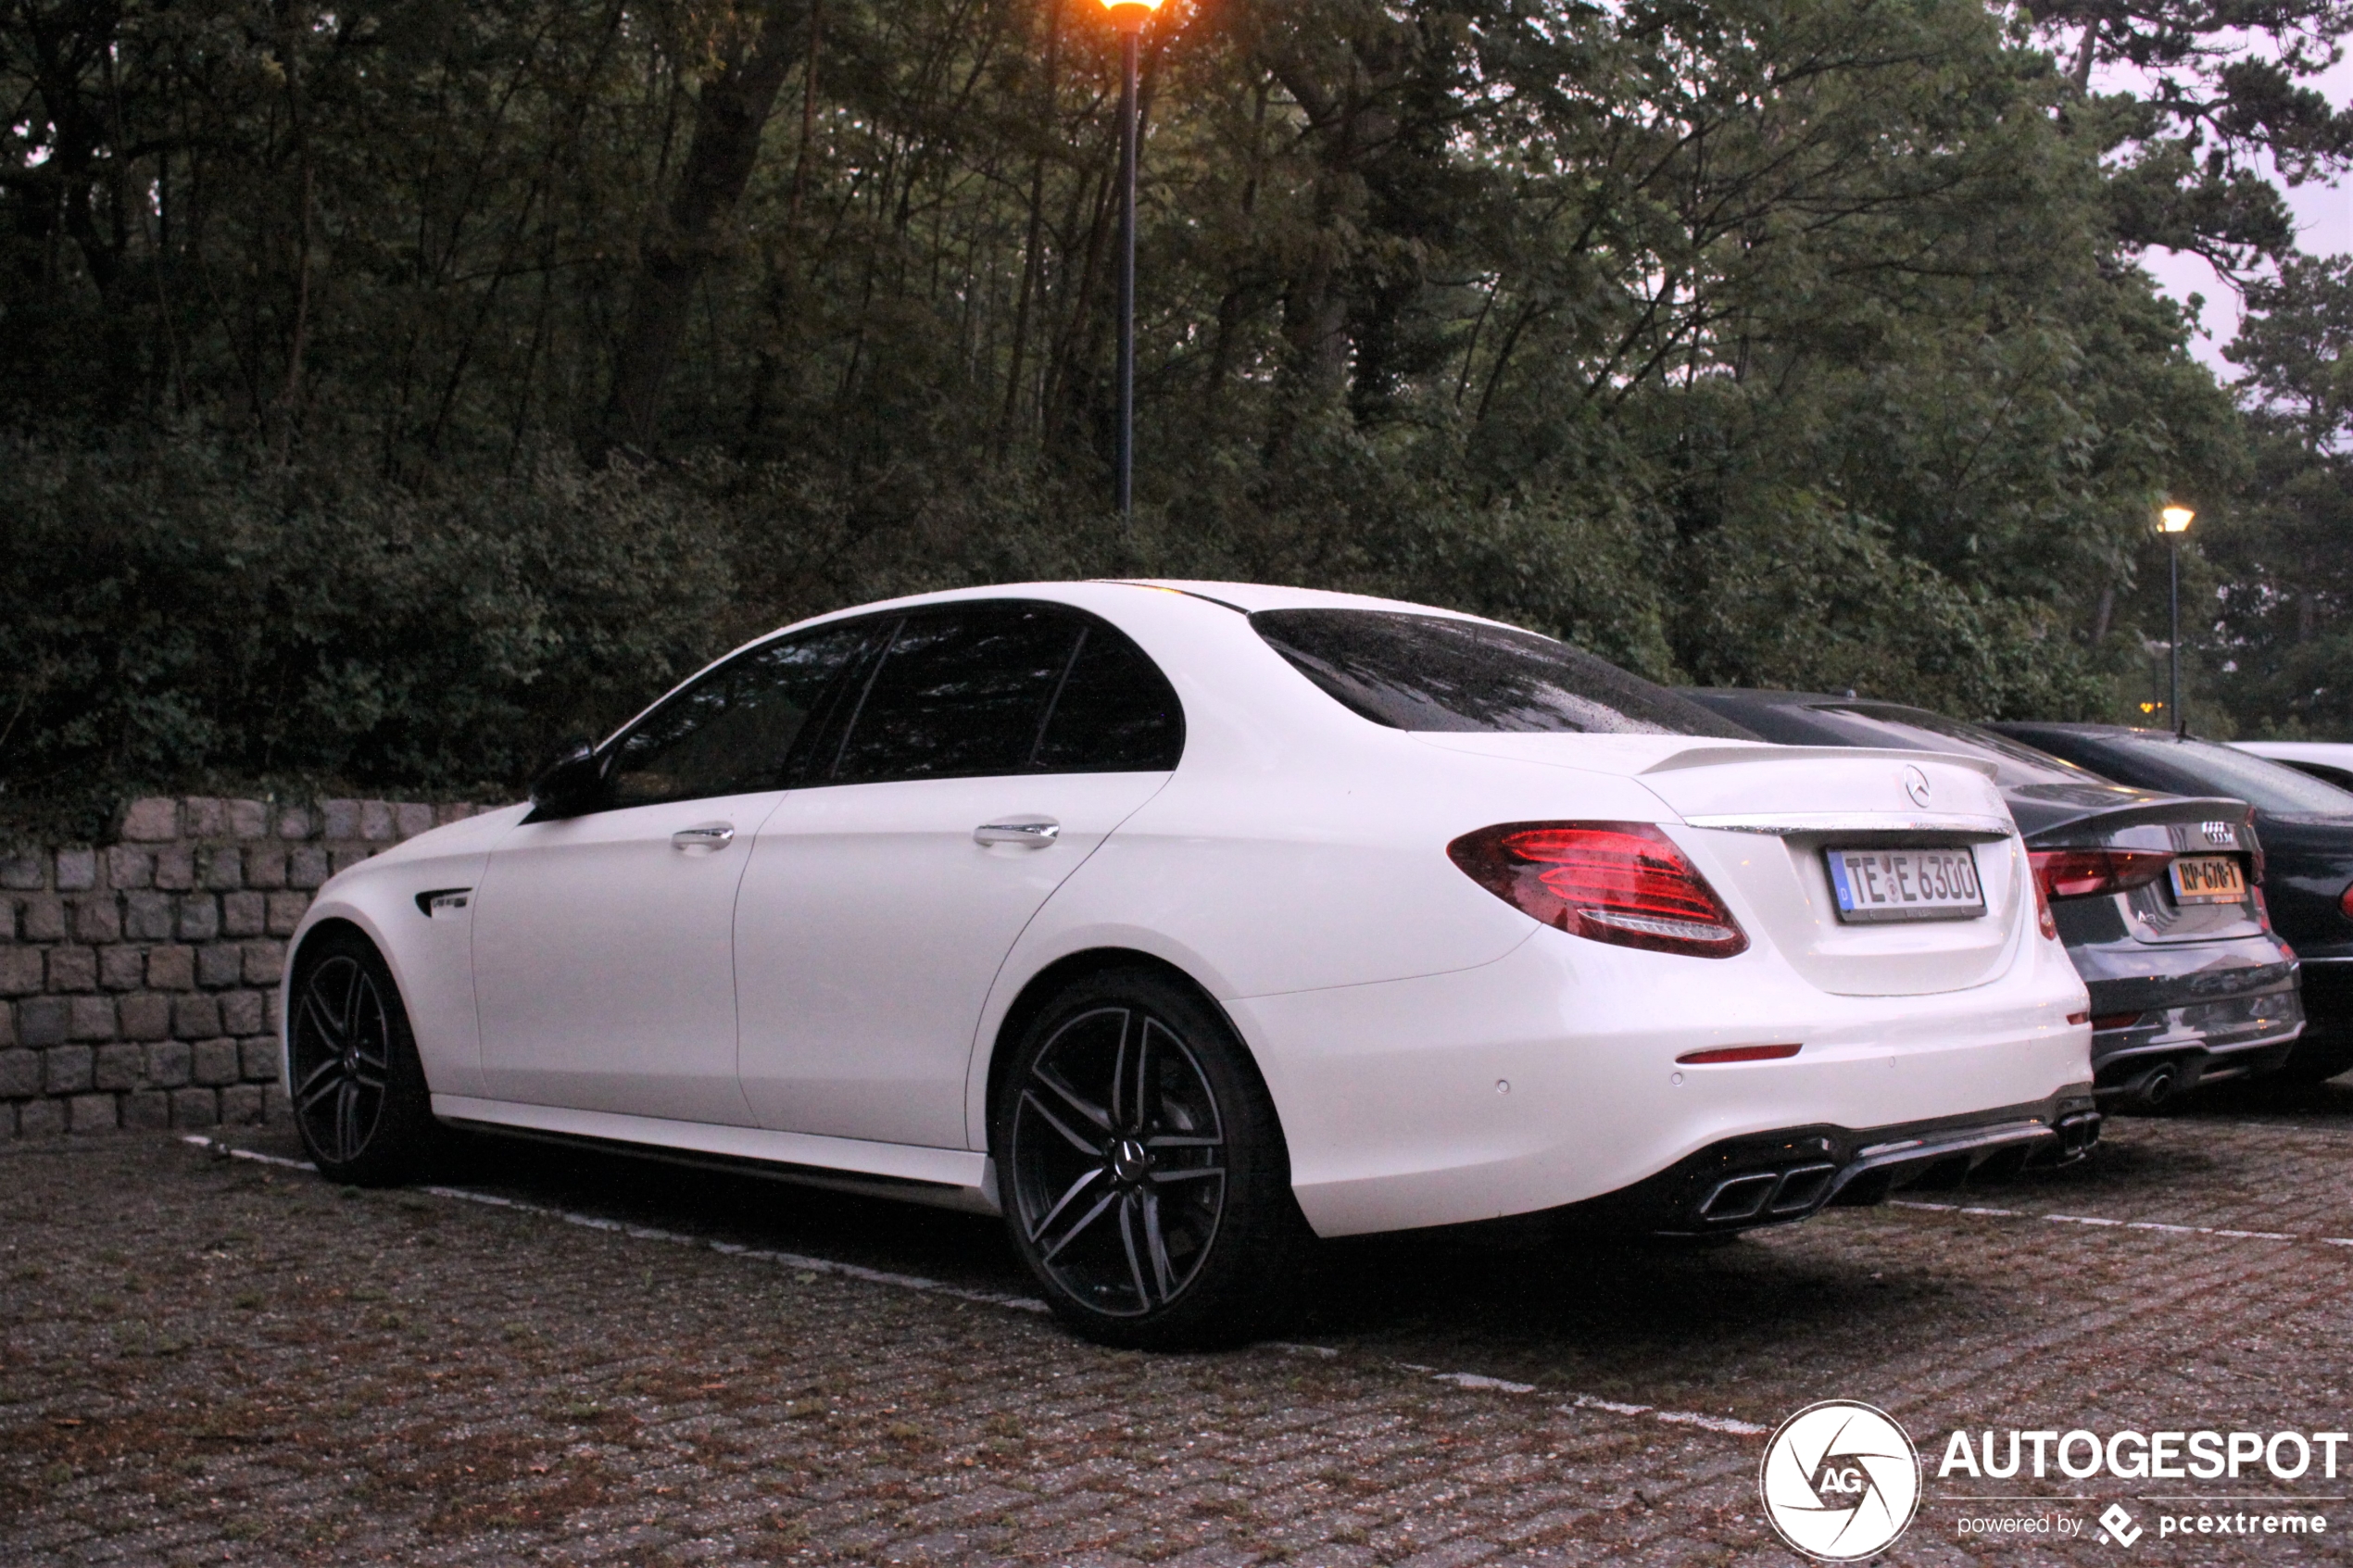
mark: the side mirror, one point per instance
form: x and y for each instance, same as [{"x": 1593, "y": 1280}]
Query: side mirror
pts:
[{"x": 573, "y": 784}]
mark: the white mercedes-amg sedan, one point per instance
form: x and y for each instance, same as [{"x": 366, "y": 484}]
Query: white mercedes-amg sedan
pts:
[{"x": 1181, "y": 923}]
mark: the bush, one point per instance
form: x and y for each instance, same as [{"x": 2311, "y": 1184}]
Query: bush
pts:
[{"x": 176, "y": 613}]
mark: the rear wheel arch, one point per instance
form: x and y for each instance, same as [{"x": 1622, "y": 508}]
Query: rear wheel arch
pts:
[
  {"x": 1146, "y": 1181},
  {"x": 1041, "y": 988}
]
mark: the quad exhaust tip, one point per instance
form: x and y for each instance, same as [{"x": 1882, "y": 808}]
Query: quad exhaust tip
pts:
[
  {"x": 1778, "y": 1194},
  {"x": 1792, "y": 1192}
]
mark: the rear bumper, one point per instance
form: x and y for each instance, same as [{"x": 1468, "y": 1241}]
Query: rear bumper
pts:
[
  {"x": 1559, "y": 1073},
  {"x": 2208, "y": 1041},
  {"x": 1773, "y": 1178},
  {"x": 2328, "y": 995}
]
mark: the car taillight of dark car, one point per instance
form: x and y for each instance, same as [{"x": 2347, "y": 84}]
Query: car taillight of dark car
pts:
[{"x": 2081, "y": 873}]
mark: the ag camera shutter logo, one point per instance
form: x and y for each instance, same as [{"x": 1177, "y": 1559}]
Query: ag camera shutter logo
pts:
[{"x": 1840, "y": 1480}]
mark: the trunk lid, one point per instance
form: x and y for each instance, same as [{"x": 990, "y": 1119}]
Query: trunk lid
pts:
[
  {"x": 1760, "y": 821},
  {"x": 2184, "y": 826}
]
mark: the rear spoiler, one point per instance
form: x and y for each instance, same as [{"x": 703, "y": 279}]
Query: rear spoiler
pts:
[
  {"x": 2167, "y": 811},
  {"x": 1718, "y": 756}
]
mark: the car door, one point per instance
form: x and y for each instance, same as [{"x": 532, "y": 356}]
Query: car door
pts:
[
  {"x": 992, "y": 748},
  {"x": 604, "y": 968}
]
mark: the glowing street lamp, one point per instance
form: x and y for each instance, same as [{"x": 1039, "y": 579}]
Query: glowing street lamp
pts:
[
  {"x": 1130, "y": 16},
  {"x": 2174, "y": 521}
]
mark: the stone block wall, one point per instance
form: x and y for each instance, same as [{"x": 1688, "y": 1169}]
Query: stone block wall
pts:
[{"x": 139, "y": 978}]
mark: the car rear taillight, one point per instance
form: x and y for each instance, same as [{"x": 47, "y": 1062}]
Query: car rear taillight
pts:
[
  {"x": 2080, "y": 873},
  {"x": 2042, "y": 920},
  {"x": 2343, "y": 901},
  {"x": 1624, "y": 883}
]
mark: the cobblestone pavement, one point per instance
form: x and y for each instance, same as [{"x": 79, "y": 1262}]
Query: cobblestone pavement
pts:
[{"x": 555, "y": 1359}]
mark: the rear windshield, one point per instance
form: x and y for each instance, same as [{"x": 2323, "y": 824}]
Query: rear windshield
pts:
[
  {"x": 1914, "y": 729},
  {"x": 1430, "y": 673},
  {"x": 2221, "y": 769}
]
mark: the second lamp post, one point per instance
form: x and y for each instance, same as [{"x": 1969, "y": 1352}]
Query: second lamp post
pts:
[
  {"x": 2175, "y": 520},
  {"x": 1130, "y": 16}
]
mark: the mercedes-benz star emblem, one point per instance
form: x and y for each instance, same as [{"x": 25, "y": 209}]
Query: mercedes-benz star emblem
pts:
[{"x": 1916, "y": 784}]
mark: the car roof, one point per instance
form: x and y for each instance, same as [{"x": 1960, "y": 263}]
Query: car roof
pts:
[
  {"x": 1769, "y": 697},
  {"x": 1245, "y": 597},
  {"x": 2071, "y": 728},
  {"x": 1098, "y": 595},
  {"x": 1251, "y": 597},
  {"x": 2310, "y": 751}
]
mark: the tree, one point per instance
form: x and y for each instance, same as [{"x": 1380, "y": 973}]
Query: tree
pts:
[
  {"x": 1772, "y": 341},
  {"x": 2290, "y": 575},
  {"x": 2227, "y": 111}
]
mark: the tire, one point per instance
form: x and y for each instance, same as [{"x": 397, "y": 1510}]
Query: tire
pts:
[
  {"x": 360, "y": 1098},
  {"x": 1142, "y": 1171}
]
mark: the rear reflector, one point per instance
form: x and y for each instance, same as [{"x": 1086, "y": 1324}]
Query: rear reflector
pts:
[
  {"x": 2079, "y": 1017},
  {"x": 2115, "y": 1020},
  {"x": 1737, "y": 1053},
  {"x": 1624, "y": 883},
  {"x": 2081, "y": 873}
]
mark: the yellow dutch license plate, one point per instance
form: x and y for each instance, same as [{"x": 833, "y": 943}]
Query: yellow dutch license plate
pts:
[{"x": 2209, "y": 879}]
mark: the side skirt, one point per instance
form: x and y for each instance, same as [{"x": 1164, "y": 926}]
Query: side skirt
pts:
[{"x": 942, "y": 1178}]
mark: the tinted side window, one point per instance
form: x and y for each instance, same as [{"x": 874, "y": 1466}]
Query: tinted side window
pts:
[
  {"x": 958, "y": 694},
  {"x": 731, "y": 732},
  {"x": 1433, "y": 672},
  {"x": 2015, "y": 763},
  {"x": 1908, "y": 729},
  {"x": 1779, "y": 722},
  {"x": 2204, "y": 768},
  {"x": 1115, "y": 712}
]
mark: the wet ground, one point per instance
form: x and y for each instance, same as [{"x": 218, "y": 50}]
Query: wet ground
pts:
[{"x": 553, "y": 1358}]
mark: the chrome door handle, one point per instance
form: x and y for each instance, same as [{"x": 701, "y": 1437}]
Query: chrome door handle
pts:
[
  {"x": 1036, "y": 833},
  {"x": 705, "y": 835}
]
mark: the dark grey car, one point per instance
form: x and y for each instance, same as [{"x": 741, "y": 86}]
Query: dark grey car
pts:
[
  {"x": 2189, "y": 984},
  {"x": 2308, "y": 871}
]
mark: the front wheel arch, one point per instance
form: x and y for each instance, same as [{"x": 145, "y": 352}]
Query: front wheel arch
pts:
[{"x": 400, "y": 1131}]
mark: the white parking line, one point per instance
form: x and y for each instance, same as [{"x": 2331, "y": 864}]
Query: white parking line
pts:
[
  {"x": 1477, "y": 1382},
  {"x": 2116, "y": 1224},
  {"x": 648, "y": 1232}
]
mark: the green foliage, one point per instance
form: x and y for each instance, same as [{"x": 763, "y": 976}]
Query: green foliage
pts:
[
  {"x": 171, "y": 612},
  {"x": 1763, "y": 340},
  {"x": 2289, "y": 658}
]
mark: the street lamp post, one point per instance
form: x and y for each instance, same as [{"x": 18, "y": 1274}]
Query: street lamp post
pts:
[
  {"x": 1130, "y": 16},
  {"x": 2175, "y": 522}
]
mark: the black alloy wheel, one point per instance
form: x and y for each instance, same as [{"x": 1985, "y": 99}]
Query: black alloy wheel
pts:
[
  {"x": 1142, "y": 1169},
  {"x": 359, "y": 1097}
]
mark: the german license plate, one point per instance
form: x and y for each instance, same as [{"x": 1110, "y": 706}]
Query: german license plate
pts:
[
  {"x": 2209, "y": 879},
  {"x": 1892, "y": 884}
]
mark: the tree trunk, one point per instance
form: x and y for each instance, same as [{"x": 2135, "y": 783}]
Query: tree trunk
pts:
[{"x": 730, "y": 114}]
